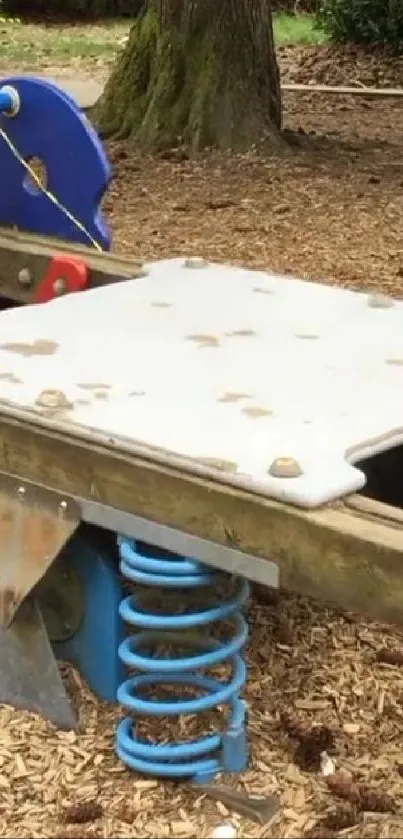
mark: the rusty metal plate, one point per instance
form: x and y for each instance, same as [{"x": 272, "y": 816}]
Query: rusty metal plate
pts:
[
  {"x": 29, "y": 674},
  {"x": 35, "y": 524}
]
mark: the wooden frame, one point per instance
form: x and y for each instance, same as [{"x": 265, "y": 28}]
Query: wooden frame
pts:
[{"x": 349, "y": 553}]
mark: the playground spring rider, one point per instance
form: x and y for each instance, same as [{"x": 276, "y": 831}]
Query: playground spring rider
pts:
[{"x": 81, "y": 605}]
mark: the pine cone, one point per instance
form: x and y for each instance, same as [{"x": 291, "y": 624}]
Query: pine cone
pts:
[
  {"x": 375, "y": 801},
  {"x": 312, "y": 740},
  {"x": 307, "y": 755},
  {"x": 345, "y": 816},
  {"x": 342, "y": 785},
  {"x": 294, "y": 726},
  {"x": 87, "y": 811},
  {"x": 361, "y": 796},
  {"x": 386, "y": 656}
]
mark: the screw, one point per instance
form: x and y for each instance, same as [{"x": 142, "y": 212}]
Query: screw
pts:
[
  {"x": 15, "y": 100},
  {"x": 285, "y": 467},
  {"x": 25, "y": 277},
  {"x": 195, "y": 262},
  {"x": 53, "y": 399},
  {"x": 59, "y": 286},
  {"x": 380, "y": 301}
]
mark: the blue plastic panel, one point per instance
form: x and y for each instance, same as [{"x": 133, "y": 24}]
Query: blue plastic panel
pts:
[{"x": 51, "y": 127}]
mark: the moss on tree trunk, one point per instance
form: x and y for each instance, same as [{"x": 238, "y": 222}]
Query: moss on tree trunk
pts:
[{"x": 198, "y": 72}]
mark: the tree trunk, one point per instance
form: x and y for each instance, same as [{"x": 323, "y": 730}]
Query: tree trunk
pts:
[{"x": 196, "y": 72}]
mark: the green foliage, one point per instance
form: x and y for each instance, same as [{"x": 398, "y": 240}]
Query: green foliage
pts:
[
  {"x": 4, "y": 18},
  {"x": 376, "y": 22},
  {"x": 295, "y": 7},
  {"x": 71, "y": 10},
  {"x": 76, "y": 10},
  {"x": 297, "y": 29}
]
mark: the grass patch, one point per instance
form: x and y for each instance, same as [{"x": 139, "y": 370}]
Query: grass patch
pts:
[
  {"x": 38, "y": 46},
  {"x": 297, "y": 29}
]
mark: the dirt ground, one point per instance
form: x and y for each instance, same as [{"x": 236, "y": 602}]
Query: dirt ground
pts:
[{"x": 329, "y": 208}]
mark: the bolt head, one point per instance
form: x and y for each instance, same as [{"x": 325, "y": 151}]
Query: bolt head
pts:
[
  {"x": 53, "y": 399},
  {"x": 195, "y": 262},
  {"x": 285, "y": 467},
  {"x": 24, "y": 278},
  {"x": 15, "y": 100},
  {"x": 60, "y": 286},
  {"x": 380, "y": 301}
]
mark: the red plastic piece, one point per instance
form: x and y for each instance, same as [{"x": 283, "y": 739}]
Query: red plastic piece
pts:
[{"x": 65, "y": 275}]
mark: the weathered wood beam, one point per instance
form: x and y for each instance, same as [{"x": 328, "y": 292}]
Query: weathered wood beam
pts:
[
  {"x": 331, "y": 90},
  {"x": 350, "y": 557},
  {"x": 33, "y": 254}
]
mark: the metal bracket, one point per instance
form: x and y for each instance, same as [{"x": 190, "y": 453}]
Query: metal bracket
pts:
[
  {"x": 29, "y": 675},
  {"x": 35, "y": 524},
  {"x": 226, "y": 558}
]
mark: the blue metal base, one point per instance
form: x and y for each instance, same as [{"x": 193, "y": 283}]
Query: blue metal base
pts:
[{"x": 94, "y": 648}]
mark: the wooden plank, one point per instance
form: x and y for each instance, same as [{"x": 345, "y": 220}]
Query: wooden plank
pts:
[
  {"x": 330, "y": 90},
  {"x": 334, "y": 553},
  {"x": 20, "y": 250}
]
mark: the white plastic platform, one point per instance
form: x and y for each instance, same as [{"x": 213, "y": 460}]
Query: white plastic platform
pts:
[{"x": 217, "y": 370}]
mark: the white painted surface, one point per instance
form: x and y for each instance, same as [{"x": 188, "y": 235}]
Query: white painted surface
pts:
[
  {"x": 224, "y": 831},
  {"x": 138, "y": 380}
]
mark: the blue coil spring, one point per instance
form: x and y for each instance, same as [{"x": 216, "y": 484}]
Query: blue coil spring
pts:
[{"x": 162, "y": 574}]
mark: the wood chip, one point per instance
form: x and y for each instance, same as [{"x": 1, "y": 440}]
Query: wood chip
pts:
[
  {"x": 351, "y": 727},
  {"x": 311, "y": 704}
]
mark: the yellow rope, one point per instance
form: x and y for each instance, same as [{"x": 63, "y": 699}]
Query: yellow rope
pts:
[{"x": 51, "y": 197}]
